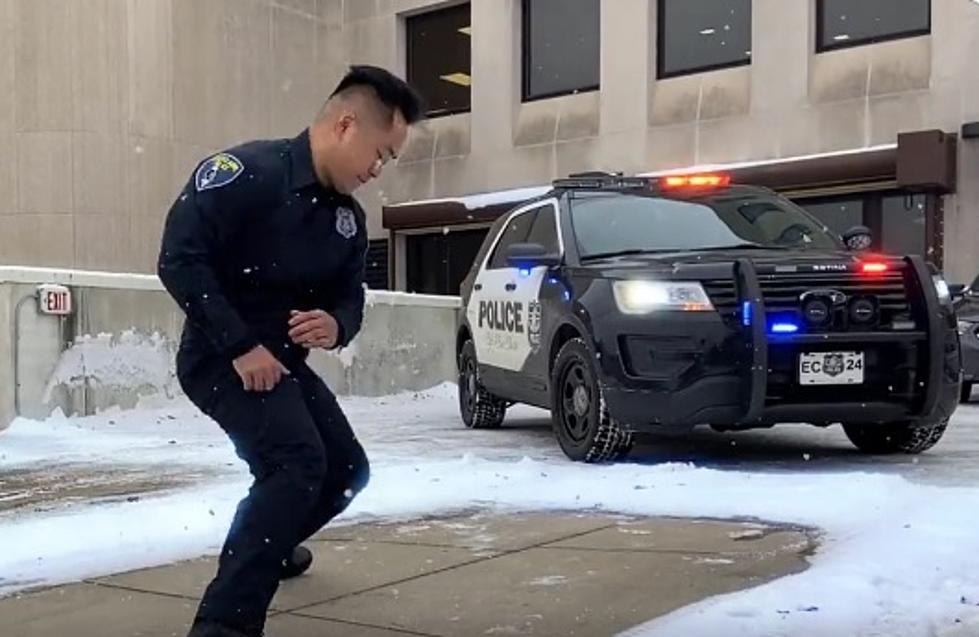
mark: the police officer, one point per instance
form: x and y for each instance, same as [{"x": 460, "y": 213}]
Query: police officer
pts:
[{"x": 265, "y": 252}]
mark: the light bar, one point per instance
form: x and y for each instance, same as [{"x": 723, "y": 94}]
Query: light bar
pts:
[{"x": 696, "y": 181}]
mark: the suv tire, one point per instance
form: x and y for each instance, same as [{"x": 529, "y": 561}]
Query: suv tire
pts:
[
  {"x": 579, "y": 415},
  {"x": 895, "y": 438},
  {"x": 479, "y": 408}
]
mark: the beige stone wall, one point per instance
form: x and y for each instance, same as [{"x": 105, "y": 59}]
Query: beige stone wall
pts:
[{"x": 106, "y": 104}]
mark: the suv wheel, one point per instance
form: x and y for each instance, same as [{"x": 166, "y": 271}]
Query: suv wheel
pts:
[
  {"x": 966, "y": 392},
  {"x": 579, "y": 415},
  {"x": 895, "y": 438},
  {"x": 479, "y": 408}
]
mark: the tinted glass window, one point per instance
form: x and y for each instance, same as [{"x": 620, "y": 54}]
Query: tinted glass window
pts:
[
  {"x": 839, "y": 215},
  {"x": 439, "y": 51},
  {"x": 903, "y": 226},
  {"x": 606, "y": 224},
  {"x": 544, "y": 230},
  {"x": 700, "y": 35},
  {"x": 845, "y": 23},
  {"x": 561, "y": 47},
  {"x": 516, "y": 231},
  {"x": 437, "y": 263}
]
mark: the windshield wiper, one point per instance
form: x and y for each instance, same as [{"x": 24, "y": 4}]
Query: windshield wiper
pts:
[
  {"x": 741, "y": 246},
  {"x": 621, "y": 253}
]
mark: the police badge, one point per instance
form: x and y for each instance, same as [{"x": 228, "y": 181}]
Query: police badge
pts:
[
  {"x": 346, "y": 222},
  {"x": 534, "y": 325},
  {"x": 833, "y": 364}
]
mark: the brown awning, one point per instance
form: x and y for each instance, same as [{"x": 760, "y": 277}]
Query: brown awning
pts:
[{"x": 878, "y": 165}]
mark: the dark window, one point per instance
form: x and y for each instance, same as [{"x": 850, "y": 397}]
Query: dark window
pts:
[
  {"x": 839, "y": 215},
  {"x": 439, "y": 51},
  {"x": 544, "y": 230},
  {"x": 376, "y": 273},
  {"x": 561, "y": 47},
  {"x": 898, "y": 222},
  {"x": 843, "y": 23},
  {"x": 903, "y": 224},
  {"x": 437, "y": 263},
  {"x": 516, "y": 231},
  {"x": 702, "y": 35}
]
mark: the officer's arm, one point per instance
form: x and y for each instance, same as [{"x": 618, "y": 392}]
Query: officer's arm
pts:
[
  {"x": 349, "y": 308},
  {"x": 190, "y": 247}
]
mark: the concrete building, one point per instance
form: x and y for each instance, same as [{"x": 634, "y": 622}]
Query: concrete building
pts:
[{"x": 105, "y": 105}]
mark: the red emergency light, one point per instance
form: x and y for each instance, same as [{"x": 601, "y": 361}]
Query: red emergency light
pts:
[
  {"x": 696, "y": 181},
  {"x": 874, "y": 267}
]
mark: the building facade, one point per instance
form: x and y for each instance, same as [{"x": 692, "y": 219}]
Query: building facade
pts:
[{"x": 858, "y": 109}]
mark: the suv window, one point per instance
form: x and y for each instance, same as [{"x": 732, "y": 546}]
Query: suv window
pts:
[
  {"x": 544, "y": 230},
  {"x": 608, "y": 223},
  {"x": 515, "y": 231}
]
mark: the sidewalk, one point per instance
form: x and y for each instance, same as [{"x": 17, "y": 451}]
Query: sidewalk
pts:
[{"x": 475, "y": 574}]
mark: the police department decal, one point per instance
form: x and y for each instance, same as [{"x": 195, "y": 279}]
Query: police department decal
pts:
[
  {"x": 533, "y": 325},
  {"x": 346, "y": 222},
  {"x": 219, "y": 170}
]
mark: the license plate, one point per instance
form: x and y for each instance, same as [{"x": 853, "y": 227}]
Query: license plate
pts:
[{"x": 831, "y": 368}]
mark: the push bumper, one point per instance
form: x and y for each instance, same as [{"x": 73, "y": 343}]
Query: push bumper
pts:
[{"x": 686, "y": 370}]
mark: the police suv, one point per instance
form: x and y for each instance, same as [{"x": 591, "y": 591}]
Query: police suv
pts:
[{"x": 629, "y": 304}]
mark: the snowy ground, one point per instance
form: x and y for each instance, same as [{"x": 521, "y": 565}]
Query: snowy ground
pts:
[{"x": 899, "y": 554}]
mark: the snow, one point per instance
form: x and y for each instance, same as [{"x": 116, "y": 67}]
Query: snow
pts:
[
  {"x": 129, "y": 361},
  {"x": 897, "y": 556},
  {"x": 482, "y": 200}
]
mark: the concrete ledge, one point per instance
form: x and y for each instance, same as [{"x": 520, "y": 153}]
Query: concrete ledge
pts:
[{"x": 120, "y": 341}]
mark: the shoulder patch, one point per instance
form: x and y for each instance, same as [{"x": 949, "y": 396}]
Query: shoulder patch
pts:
[{"x": 219, "y": 170}]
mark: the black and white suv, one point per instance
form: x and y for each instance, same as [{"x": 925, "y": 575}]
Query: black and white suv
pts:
[{"x": 627, "y": 304}]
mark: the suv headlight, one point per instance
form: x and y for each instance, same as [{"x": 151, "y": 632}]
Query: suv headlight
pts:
[
  {"x": 941, "y": 287},
  {"x": 643, "y": 297}
]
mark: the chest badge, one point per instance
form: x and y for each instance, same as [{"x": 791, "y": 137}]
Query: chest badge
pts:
[
  {"x": 219, "y": 170},
  {"x": 346, "y": 222}
]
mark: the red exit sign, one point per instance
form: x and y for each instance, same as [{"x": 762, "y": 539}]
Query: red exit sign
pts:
[{"x": 54, "y": 299}]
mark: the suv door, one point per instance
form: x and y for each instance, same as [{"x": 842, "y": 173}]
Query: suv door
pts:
[{"x": 504, "y": 310}]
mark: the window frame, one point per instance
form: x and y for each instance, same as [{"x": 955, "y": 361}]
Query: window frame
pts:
[
  {"x": 525, "y": 62},
  {"x": 662, "y": 74},
  {"x": 408, "y": 58},
  {"x": 849, "y": 44}
]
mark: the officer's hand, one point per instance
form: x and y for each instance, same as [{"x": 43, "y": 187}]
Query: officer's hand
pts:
[
  {"x": 315, "y": 328},
  {"x": 259, "y": 370}
]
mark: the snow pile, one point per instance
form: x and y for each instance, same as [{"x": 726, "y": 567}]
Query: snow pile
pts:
[{"x": 130, "y": 361}]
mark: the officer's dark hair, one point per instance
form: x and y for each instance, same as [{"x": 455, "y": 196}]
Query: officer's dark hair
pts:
[{"x": 390, "y": 90}]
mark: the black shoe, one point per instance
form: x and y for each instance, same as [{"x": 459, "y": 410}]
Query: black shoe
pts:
[
  {"x": 297, "y": 563},
  {"x": 213, "y": 629}
]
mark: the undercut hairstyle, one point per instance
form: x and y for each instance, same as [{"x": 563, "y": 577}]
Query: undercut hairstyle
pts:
[{"x": 391, "y": 93}]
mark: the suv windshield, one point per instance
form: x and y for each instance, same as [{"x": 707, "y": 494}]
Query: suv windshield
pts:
[{"x": 612, "y": 223}]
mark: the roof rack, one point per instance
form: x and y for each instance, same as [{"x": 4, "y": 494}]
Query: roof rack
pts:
[{"x": 600, "y": 180}]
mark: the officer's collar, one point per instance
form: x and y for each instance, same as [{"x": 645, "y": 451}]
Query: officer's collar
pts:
[{"x": 303, "y": 173}]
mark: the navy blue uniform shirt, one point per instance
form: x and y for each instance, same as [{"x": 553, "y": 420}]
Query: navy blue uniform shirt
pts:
[{"x": 253, "y": 236}]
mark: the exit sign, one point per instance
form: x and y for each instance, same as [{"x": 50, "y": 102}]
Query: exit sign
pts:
[{"x": 54, "y": 299}]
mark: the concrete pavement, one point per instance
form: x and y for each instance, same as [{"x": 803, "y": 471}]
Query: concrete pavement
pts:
[{"x": 472, "y": 574}]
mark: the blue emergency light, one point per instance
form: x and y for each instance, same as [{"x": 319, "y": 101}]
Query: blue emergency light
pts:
[{"x": 784, "y": 328}]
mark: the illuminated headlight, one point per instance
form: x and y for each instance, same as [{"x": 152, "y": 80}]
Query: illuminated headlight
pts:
[
  {"x": 642, "y": 297},
  {"x": 941, "y": 287}
]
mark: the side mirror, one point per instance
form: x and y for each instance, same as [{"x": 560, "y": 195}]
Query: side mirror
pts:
[
  {"x": 957, "y": 290},
  {"x": 531, "y": 255},
  {"x": 858, "y": 238}
]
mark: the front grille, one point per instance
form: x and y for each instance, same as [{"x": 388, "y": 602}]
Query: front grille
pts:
[{"x": 782, "y": 293}]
